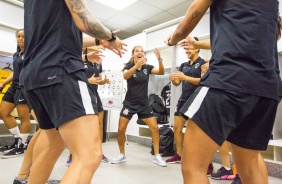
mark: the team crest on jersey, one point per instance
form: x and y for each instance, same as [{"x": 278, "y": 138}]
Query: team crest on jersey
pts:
[
  {"x": 134, "y": 75},
  {"x": 85, "y": 66},
  {"x": 145, "y": 71},
  {"x": 197, "y": 65},
  {"x": 125, "y": 112}
]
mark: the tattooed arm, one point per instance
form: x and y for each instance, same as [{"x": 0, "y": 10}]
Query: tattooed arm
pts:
[
  {"x": 193, "y": 15},
  {"x": 93, "y": 27}
]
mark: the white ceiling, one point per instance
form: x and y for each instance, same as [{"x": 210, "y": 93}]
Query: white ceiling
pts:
[{"x": 140, "y": 15}]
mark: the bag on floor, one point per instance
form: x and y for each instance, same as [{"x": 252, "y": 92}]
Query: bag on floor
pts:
[{"x": 166, "y": 142}]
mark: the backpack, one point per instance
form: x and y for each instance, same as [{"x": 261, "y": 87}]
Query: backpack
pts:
[
  {"x": 158, "y": 107},
  {"x": 166, "y": 142}
]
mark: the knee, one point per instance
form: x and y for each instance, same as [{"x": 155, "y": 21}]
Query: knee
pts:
[
  {"x": 24, "y": 119},
  {"x": 91, "y": 159},
  {"x": 177, "y": 129},
  {"x": 121, "y": 130}
]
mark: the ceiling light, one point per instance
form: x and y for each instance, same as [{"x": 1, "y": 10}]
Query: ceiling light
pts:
[{"x": 119, "y": 5}]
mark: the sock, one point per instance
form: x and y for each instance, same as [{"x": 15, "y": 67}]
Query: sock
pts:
[
  {"x": 15, "y": 131},
  {"x": 227, "y": 168},
  {"x": 24, "y": 137}
]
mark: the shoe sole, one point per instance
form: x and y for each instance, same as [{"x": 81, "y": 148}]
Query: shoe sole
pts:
[
  {"x": 118, "y": 162},
  {"x": 104, "y": 161},
  {"x": 174, "y": 162},
  {"x": 224, "y": 177},
  {"x": 12, "y": 156},
  {"x": 159, "y": 164}
]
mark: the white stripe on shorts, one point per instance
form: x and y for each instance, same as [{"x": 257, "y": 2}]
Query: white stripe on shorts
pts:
[
  {"x": 86, "y": 99},
  {"x": 195, "y": 105}
]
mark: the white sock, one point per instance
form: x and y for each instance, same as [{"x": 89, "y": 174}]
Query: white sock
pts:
[
  {"x": 24, "y": 138},
  {"x": 227, "y": 168},
  {"x": 15, "y": 131}
]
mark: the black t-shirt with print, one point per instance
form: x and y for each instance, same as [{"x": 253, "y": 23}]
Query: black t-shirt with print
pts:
[
  {"x": 92, "y": 69},
  {"x": 53, "y": 43},
  {"x": 17, "y": 66},
  {"x": 137, "y": 86},
  {"x": 243, "y": 42},
  {"x": 193, "y": 70}
]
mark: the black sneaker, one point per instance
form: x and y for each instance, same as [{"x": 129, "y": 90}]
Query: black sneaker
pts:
[
  {"x": 237, "y": 180},
  {"x": 18, "y": 151},
  {"x": 223, "y": 174},
  {"x": 20, "y": 181},
  {"x": 6, "y": 149}
]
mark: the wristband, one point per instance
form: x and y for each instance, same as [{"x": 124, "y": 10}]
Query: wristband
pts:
[
  {"x": 86, "y": 57},
  {"x": 97, "y": 42},
  {"x": 114, "y": 37},
  {"x": 160, "y": 60},
  {"x": 169, "y": 43}
]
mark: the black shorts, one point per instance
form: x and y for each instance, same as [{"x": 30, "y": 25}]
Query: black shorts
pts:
[
  {"x": 99, "y": 102},
  {"x": 177, "y": 110},
  {"x": 143, "y": 112},
  {"x": 59, "y": 103},
  {"x": 14, "y": 96},
  {"x": 243, "y": 119}
]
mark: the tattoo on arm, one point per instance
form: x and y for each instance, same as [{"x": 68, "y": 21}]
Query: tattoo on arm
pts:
[
  {"x": 93, "y": 26},
  {"x": 195, "y": 14}
]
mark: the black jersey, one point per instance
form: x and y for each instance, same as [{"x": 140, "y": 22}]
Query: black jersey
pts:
[
  {"x": 243, "y": 42},
  {"x": 191, "y": 70},
  {"x": 53, "y": 43},
  {"x": 17, "y": 65},
  {"x": 92, "y": 69},
  {"x": 137, "y": 86},
  {"x": 166, "y": 91}
]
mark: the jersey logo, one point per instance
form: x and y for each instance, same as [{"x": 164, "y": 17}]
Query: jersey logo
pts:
[
  {"x": 53, "y": 77},
  {"x": 85, "y": 66},
  {"x": 125, "y": 112},
  {"x": 145, "y": 71},
  {"x": 22, "y": 57},
  {"x": 134, "y": 75},
  {"x": 197, "y": 65}
]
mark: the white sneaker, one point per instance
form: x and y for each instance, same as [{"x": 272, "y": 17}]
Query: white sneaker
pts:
[
  {"x": 159, "y": 160},
  {"x": 120, "y": 158}
]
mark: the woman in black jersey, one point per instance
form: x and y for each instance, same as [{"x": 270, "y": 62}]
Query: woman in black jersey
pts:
[
  {"x": 137, "y": 72},
  {"x": 234, "y": 102},
  {"x": 93, "y": 70},
  {"x": 15, "y": 98}
]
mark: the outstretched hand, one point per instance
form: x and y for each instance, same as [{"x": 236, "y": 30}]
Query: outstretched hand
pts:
[{"x": 116, "y": 46}]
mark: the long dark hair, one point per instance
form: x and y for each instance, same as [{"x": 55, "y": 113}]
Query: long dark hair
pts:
[{"x": 132, "y": 59}]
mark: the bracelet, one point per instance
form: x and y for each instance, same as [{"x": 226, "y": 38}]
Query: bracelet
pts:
[
  {"x": 86, "y": 57},
  {"x": 97, "y": 42},
  {"x": 114, "y": 37},
  {"x": 160, "y": 60},
  {"x": 169, "y": 43}
]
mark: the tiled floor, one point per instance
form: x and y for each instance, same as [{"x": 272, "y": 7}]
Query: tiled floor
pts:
[{"x": 138, "y": 169}]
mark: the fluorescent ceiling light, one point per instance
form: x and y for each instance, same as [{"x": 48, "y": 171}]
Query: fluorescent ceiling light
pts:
[{"x": 117, "y": 4}]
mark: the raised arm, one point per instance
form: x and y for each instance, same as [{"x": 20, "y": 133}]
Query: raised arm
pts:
[
  {"x": 160, "y": 70},
  {"x": 193, "y": 15},
  {"x": 92, "y": 26}
]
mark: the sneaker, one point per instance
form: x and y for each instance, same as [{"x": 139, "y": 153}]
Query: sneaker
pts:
[
  {"x": 69, "y": 160},
  {"x": 159, "y": 160},
  {"x": 174, "y": 159},
  {"x": 20, "y": 181},
  {"x": 120, "y": 158},
  {"x": 210, "y": 169},
  {"x": 6, "y": 149},
  {"x": 223, "y": 174},
  {"x": 53, "y": 181},
  {"x": 105, "y": 159},
  {"x": 18, "y": 151},
  {"x": 236, "y": 180}
]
